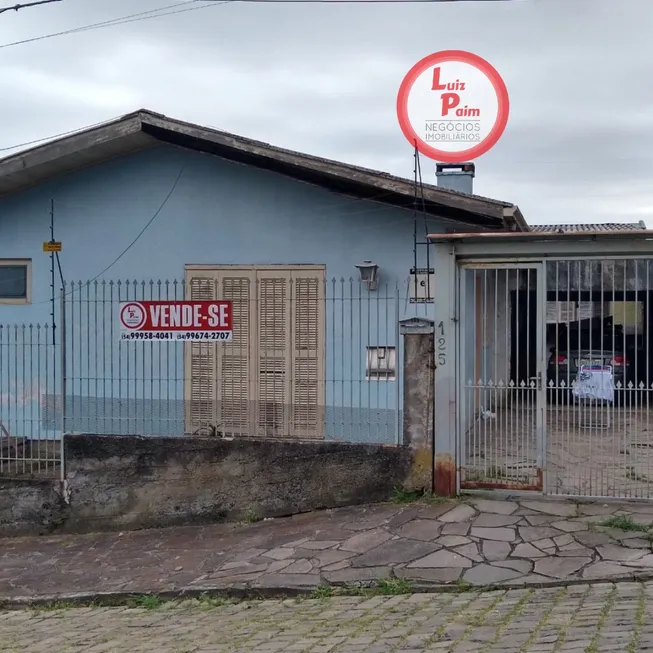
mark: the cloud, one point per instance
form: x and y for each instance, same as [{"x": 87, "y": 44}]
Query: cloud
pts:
[{"x": 323, "y": 79}]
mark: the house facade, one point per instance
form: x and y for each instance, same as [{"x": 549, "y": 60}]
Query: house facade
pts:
[{"x": 147, "y": 207}]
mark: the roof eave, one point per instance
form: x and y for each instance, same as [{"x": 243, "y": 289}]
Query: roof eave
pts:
[
  {"x": 514, "y": 219},
  {"x": 71, "y": 143},
  {"x": 638, "y": 234},
  {"x": 144, "y": 128},
  {"x": 348, "y": 180},
  {"x": 64, "y": 155}
]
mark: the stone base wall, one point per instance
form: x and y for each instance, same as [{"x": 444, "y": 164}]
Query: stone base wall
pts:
[
  {"x": 129, "y": 482},
  {"x": 31, "y": 507}
]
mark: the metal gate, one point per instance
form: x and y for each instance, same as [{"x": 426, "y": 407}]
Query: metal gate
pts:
[
  {"x": 554, "y": 377},
  {"x": 501, "y": 398}
]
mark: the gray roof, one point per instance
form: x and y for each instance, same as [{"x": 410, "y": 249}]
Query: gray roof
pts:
[
  {"x": 144, "y": 129},
  {"x": 588, "y": 226}
]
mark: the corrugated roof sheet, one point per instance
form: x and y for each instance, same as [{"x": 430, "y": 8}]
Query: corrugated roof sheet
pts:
[{"x": 589, "y": 226}]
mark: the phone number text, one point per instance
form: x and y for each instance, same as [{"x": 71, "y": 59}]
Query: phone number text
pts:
[{"x": 223, "y": 336}]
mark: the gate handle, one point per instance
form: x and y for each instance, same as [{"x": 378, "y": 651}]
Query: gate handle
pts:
[{"x": 538, "y": 380}]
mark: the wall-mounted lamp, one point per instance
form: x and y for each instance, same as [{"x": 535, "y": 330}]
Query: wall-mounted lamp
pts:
[{"x": 369, "y": 274}]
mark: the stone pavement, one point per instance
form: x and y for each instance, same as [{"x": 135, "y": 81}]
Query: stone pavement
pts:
[
  {"x": 479, "y": 541},
  {"x": 576, "y": 619}
]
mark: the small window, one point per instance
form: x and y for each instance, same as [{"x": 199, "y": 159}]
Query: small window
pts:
[
  {"x": 381, "y": 364},
  {"x": 15, "y": 281}
]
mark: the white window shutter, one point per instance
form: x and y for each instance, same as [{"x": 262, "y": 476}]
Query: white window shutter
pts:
[
  {"x": 308, "y": 352},
  {"x": 273, "y": 353},
  {"x": 200, "y": 367},
  {"x": 235, "y": 358}
]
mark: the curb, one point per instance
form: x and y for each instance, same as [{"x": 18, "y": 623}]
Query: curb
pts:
[{"x": 121, "y": 598}]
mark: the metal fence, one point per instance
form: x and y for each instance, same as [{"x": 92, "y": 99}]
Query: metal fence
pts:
[
  {"x": 599, "y": 378},
  {"x": 29, "y": 374},
  {"x": 264, "y": 383},
  {"x": 557, "y": 377}
]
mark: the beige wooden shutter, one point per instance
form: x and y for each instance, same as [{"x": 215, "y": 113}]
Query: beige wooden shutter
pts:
[
  {"x": 273, "y": 355},
  {"x": 201, "y": 410},
  {"x": 235, "y": 359},
  {"x": 308, "y": 354}
]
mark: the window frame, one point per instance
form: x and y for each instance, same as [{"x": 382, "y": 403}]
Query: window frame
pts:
[{"x": 22, "y": 263}]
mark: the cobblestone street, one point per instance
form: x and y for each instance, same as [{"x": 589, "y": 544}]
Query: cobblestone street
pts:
[{"x": 591, "y": 618}]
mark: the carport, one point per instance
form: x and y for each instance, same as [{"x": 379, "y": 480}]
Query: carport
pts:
[{"x": 544, "y": 363}]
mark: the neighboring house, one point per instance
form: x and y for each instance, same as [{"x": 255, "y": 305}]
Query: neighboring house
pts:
[
  {"x": 589, "y": 227},
  {"x": 236, "y": 219}
]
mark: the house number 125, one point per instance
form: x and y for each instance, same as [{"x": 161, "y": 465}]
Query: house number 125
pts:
[{"x": 441, "y": 345}]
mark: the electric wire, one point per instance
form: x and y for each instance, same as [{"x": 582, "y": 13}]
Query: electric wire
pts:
[
  {"x": 26, "y": 5},
  {"x": 56, "y": 136},
  {"x": 122, "y": 20},
  {"x": 328, "y": 209},
  {"x": 163, "y": 11},
  {"x": 148, "y": 224}
]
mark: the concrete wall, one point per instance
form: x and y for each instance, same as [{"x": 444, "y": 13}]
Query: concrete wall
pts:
[
  {"x": 129, "y": 482},
  {"x": 219, "y": 213},
  {"x": 419, "y": 391},
  {"x": 30, "y": 507}
]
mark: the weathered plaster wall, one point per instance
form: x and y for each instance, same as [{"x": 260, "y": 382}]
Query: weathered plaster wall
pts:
[
  {"x": 220, "y": 213},
  {"x": 30, "y": 507},
  {"x": 131, "y": 482},
  {"x": 419, "y": 367}
]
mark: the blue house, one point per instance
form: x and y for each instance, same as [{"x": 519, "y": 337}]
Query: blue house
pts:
[{"x": 318, "y": 257}]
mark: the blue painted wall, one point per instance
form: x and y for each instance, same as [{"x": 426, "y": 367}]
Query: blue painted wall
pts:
[{"x": 220, "y": 213}]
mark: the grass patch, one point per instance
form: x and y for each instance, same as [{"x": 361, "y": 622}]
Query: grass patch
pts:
[
  {"x": 571, "y": 622},
  {"x": 402, "y": 495},
  {"x": 491, "y": 472},
  {"x": 145, "y": 602},
  {"x": 542, "y": 623},
  {"x": 55, "y": 606},
  {"x": 640, "y": 621},
  {"x": 463, "y": 585},
  {"x": 382, "y": 587},
  {"x": 251, "y": 516},
  {"x": 624, "y": 523},
  {"x": 139, "y": 601},
  {"x": 321, "y": 592},
  {"x": 434, "y": 498},
  {"x": 497, "y": 474},
  {"x": 393, "y": 586},
  {"x": 209, "y": 602},
  {"x": 603, "y": 617}
]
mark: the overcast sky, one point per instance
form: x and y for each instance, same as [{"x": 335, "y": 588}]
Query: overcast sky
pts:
[{"x": 323, "y": 79}]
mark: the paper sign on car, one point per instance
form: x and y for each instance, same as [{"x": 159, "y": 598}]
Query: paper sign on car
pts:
[{"x": 594, "y": 382}]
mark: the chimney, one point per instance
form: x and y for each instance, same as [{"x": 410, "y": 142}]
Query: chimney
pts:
[{"x": 456, "y": 176}]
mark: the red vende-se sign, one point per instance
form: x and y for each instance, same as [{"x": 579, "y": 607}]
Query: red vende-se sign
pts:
[{"x": 176, "y": 320}]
